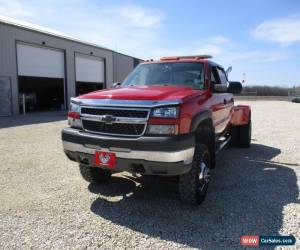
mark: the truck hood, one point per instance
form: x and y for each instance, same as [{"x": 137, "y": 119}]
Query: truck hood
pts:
[{"x": 144, "y": 93}]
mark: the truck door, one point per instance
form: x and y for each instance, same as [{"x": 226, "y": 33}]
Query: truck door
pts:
[
  {"x": 227, "y": 97},
  {"x": 222, "y": 101}
]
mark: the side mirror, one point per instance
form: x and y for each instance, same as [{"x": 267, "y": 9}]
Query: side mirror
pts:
[
  {"x": 220, "y": 88},
  {"x": 234, "y": 87},
  {"x": 228, "y": 70},
  {"x": 116, "y": 84}
]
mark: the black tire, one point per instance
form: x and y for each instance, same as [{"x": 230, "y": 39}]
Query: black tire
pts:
[
  {"x": 245, "y": 135},
  {"x": 193, "y": 189},
  {"x": 235, "y": 134},
  {"x": 93, "y": 174},
  {"x": 206, "y": 136}
]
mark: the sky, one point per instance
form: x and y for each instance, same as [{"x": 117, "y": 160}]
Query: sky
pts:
[{"x": 259, "y": 39}]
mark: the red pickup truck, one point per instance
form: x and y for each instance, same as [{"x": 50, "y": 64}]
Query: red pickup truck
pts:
[{"x": 169, "y": 118}]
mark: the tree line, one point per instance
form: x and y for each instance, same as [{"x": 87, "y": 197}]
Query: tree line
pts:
[{"x": 270, "y": 90}]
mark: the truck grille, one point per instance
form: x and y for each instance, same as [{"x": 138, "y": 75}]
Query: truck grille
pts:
[
  {"x": 115, "y": 112},
  {"x": 115, "y": 128},
  {"x": 114, "y": 121}
]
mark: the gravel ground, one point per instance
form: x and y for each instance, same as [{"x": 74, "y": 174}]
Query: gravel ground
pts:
[{"x": 44, "y": 203}]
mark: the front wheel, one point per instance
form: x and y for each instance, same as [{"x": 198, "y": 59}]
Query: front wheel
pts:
[
  {"x": 193, "y": 185},
  {"x": 93, "y": 174}
]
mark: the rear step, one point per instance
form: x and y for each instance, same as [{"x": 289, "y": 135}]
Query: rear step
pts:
[{"x": 221, "y": 143}]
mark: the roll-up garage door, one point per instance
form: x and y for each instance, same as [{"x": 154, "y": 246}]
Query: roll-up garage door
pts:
[
  {"x": 89, "y": 68},
  {"x": 41, "y": 78},
  {"x": 40, "y": 62}
]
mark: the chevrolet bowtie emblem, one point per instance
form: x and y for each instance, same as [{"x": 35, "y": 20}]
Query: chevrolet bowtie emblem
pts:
[{"x": 109, "y": 119}]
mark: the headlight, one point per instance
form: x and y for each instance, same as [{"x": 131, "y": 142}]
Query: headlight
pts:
[
  {"x": 74, "y": 116},
  {"x": 162, "y": 129},
  {"x": 165, "y": 112},
  {"x": 74, "y": 107}
]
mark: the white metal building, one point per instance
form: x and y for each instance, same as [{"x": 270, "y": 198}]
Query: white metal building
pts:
[{"x": 47, "y": 68}]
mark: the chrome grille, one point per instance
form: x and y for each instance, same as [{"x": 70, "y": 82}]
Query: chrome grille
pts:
[
  {"x": 114, "y": 120},
  {"x": 115, "y": 112},
  {"x": 115, "y": 128}
]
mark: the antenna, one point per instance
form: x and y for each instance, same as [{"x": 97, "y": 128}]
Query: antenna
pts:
[{"x": 244, "y": 77}]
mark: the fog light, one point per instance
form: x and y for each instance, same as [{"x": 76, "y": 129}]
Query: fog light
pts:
[{"x": 162, "y": 129}]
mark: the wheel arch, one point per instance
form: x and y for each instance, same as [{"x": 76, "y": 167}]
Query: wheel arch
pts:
[
  {"x": 241, "y": 115},
  {"x": 204, "y": 131},
  {"x": 203, "y": 118}
]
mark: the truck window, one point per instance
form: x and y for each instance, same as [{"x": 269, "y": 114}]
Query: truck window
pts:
[
  {"x": 215, "y": 78},
  {"x": 189, "y": 74},
  {"x": 212, "y": 78},
  {"x": 222, "y": 76}
]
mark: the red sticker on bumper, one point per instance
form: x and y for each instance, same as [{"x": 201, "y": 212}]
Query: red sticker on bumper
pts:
[{"x": 107, "y": 159}]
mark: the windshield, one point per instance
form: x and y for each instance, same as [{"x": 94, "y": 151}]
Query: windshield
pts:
[{"x": 190, "y": 74}]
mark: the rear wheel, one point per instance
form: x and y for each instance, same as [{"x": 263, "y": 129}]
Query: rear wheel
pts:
[
  {"x": 193, "y": 185},
  {"x": 241, "y": 135},
  {"x": 234, "y": 133},
  {"x": 93, "y": 174},
  {"x": 245, "y": 135}
]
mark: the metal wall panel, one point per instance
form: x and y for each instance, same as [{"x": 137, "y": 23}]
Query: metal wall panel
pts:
[
  {"x": 123, "y": 65},
  {"x": 5, "y": 96}
]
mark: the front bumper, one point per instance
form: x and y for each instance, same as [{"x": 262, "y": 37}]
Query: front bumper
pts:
[{"x": 171, "y": 155}]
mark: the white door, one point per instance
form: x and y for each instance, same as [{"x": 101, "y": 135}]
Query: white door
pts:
[
  {"x": 89, "y": 68},
  {"x": 40, "y": 62}
]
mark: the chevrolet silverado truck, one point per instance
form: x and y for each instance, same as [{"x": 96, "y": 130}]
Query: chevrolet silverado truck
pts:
[{"x": 168, "y": 118}]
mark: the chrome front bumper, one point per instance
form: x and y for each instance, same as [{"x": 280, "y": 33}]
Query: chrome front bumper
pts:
[
  {"x": 185, "y": 155},
  {"x": 171, "y": 155}
]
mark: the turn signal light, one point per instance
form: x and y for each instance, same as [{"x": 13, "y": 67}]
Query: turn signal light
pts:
[{"x": 74, "y": 120}]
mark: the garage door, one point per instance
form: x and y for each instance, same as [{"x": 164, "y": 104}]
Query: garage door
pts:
[
  {"x": 40, "y": 62},
  {"x": 41, "y": 77},
  {"x": 89, "y": 68}
]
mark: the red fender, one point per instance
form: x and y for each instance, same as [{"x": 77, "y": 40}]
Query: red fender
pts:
[{"x": 241, "y": 115}]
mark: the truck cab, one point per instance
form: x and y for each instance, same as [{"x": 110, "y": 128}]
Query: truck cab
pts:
[{"x": 169, "y": 118}]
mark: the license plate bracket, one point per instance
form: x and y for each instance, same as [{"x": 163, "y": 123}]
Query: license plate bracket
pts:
[{"x": 107, "y": 159}]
